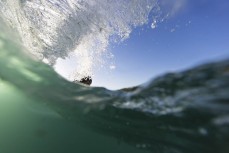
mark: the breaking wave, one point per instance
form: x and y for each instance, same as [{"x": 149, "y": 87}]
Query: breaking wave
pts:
[{"x": 52, "y": 29}]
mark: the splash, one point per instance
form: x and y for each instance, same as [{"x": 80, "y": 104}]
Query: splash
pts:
[{"x": 51, "y": 29}]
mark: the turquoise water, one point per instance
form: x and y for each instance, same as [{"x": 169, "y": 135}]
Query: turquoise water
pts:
[{"x": 40, "y": 111}]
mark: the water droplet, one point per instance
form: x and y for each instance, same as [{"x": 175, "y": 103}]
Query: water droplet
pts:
[{"x": 154, "y": 24}]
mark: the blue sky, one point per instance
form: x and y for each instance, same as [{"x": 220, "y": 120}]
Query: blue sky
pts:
[{"x": 198, "y": 33}]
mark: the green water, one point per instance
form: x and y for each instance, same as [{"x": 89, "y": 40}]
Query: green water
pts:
[{"x": 184, "y": 112}]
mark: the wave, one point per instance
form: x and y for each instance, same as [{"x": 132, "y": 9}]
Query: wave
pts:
[
  {"x": 40, "y": 111},
  {"x": 51, "y": 29}
]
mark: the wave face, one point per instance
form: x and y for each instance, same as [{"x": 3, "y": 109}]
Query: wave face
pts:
[
  {"x": 51, "y": 29},
  {"x": 42, "y": 112}
]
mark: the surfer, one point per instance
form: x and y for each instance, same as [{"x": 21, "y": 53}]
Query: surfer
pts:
[{"x": 86, "y": 80}]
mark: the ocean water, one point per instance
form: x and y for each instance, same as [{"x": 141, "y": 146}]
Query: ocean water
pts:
[{"x": 40, "y": 111}]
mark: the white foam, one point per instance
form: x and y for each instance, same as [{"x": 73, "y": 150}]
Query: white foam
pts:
[{"x": 51, "y": 29}]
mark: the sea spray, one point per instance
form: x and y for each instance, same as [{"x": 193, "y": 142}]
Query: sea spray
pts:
[{"x": 51, "y": 29}]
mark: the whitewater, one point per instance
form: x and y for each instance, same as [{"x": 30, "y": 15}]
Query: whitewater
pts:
[
  {"x": 40, "y": 111},
  {"x": 51, "y": 29}
]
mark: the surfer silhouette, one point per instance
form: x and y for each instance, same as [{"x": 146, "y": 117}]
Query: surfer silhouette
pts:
[{"x": 86, "y": 80}]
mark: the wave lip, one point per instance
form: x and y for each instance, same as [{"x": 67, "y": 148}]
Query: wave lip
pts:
[{"x": 52, "y": 29}]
